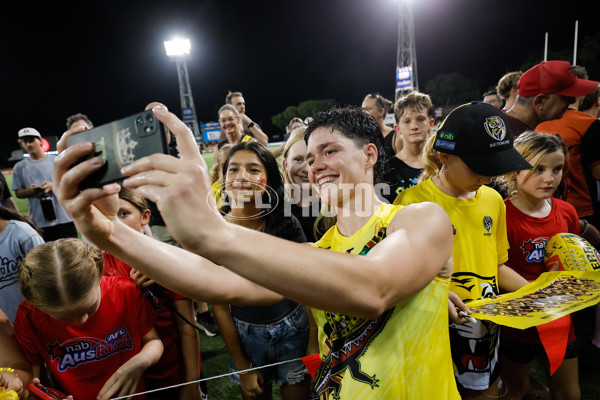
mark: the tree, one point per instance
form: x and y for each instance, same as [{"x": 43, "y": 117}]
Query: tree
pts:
[
  {"x": 304, "y": 109},
  {"x": 452, "y": 88}
]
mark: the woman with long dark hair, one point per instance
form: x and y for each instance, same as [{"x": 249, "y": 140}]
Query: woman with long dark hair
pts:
[{"x": 260, "y": 335}]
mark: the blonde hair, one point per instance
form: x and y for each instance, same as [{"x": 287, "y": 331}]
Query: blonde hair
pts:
[
  {"x": 530, "y": 144},
  {"x": 295, "y": 119},
  {"x": 431, "y": 160},
  {"x": 322, "y": 222},
  {"x": 61, "y": 272},
  {"x": 296, "y": 136},
  {"x": 230, "y": 108},
  {"x": 220, "y": 157},
  {"x": 507, "y": 82}
]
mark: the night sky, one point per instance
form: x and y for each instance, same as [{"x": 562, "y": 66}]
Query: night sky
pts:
[{"x": 107, "y": 59}]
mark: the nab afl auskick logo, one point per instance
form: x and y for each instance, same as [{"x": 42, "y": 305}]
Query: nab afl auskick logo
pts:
[{"x": 535, "y": 249}]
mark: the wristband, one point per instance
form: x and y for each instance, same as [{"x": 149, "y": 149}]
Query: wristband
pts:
[
  {"x": 250, "y": 125},
  {"x": 245, "y": 372},
  {"x": 7, "y": 369}
]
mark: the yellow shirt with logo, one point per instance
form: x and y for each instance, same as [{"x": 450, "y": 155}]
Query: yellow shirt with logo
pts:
[
  {"x": 403, "y": 354},
  {"x": 480, "y": 238}
]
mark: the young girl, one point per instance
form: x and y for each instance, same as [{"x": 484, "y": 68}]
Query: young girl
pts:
[
  {"x": 473, "y": 144},
  {"x": 180, "y": 361},
  {"x": 261, "y": 335},
  {"x": 302, "y": 199},
  {"x": 18, "y": 235},
  {"x": 532, "y": 217},
  {"x": 95, "y": 334}
]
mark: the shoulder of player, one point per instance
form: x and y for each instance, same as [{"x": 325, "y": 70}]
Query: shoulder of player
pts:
[{"x": 419, "y": 215}]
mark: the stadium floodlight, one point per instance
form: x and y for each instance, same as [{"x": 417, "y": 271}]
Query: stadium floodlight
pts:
[
  {"x": 178, "y": 51},
  {"x": 178, "y": 47}
]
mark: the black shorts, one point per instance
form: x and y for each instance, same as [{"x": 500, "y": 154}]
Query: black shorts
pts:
[{"x": 524, "y": 353}]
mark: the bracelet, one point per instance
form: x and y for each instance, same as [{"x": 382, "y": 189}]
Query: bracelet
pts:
[
  {"x": 7, "y": 369},
  {"x": 244, "y": 373},
  {"x": 250, "y": 125}
]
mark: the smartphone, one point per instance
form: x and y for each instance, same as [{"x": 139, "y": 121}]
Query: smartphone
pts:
[
  {"x": 120, "y": 143},
  {"x": 45, "y": 393}
]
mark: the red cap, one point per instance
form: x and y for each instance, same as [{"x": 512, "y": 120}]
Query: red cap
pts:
[{"x": 553, "y": 77}]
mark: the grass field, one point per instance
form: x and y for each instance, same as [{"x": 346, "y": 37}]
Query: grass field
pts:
[{"x": 215, "y": 358}]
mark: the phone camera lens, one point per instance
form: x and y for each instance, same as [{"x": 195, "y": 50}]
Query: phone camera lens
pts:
[
  {"x": 139, "y": 121},
  {"x": 150, "y": 119}
]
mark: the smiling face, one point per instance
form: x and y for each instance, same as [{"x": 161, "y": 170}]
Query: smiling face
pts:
[
  {"x": 542, "y": 181},
  {"x": 245, "y": 177},
  {"x": 338, "y": 165},
  {"x": 230, "y": 123},
  {"x": 78, "y": 312},
  {"x": 295, "y": 164}
]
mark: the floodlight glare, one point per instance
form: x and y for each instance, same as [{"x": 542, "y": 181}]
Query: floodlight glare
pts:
[{"x": 178, "y": 47}]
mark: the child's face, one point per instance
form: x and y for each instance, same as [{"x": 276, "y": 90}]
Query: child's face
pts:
[
  {"x": 246, "y": 176},
  {"x": 541, "y": 181},
  {"x": 78, "y": 312},
  {"x": 295, "y": 164},
  {"x": 414, "y": 125},
  {"x": 461, "y": 177},
  {"x": 131, "y": 216}
]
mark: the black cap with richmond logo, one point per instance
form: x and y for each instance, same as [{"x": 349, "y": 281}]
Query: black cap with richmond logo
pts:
[{"x": 479, "y": 134}]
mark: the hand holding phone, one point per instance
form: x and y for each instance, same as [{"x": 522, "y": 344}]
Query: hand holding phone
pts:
[
  {"x": 120, "y": 143},
  {"x": 47, "y": 393}
]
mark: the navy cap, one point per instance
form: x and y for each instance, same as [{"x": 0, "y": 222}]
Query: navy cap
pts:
[{"x": 479, "y": 134}]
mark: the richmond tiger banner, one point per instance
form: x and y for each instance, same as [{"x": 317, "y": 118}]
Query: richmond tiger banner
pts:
[{"x": 553, "y": 295}]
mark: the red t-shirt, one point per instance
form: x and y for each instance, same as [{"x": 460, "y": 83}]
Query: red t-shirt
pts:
[
  {"x": 527, "y": 237},
  {"x": 170, "y": 369},
  {"x": 81, "y": 357}
]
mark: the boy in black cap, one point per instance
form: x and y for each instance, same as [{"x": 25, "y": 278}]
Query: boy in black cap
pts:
[{"x": 473, "y": 144}]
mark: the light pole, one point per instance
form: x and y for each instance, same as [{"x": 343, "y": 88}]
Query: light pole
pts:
[
  {"x": 178, "y": 50},
  {"x": 406, "y": 60}
]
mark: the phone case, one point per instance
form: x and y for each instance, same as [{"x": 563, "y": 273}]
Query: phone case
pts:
[
  {"x": 46, "y": 393},
  {"x": 120, "y": 143}
]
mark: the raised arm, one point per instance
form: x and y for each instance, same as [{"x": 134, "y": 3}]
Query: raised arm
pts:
[
  {"x": 94, "y": 212},
  {"x": 258, "y": 133},
  {"x": 395, "y": 269}
]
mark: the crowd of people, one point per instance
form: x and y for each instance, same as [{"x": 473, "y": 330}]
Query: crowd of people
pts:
[{"x": 356, "y": 240}]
